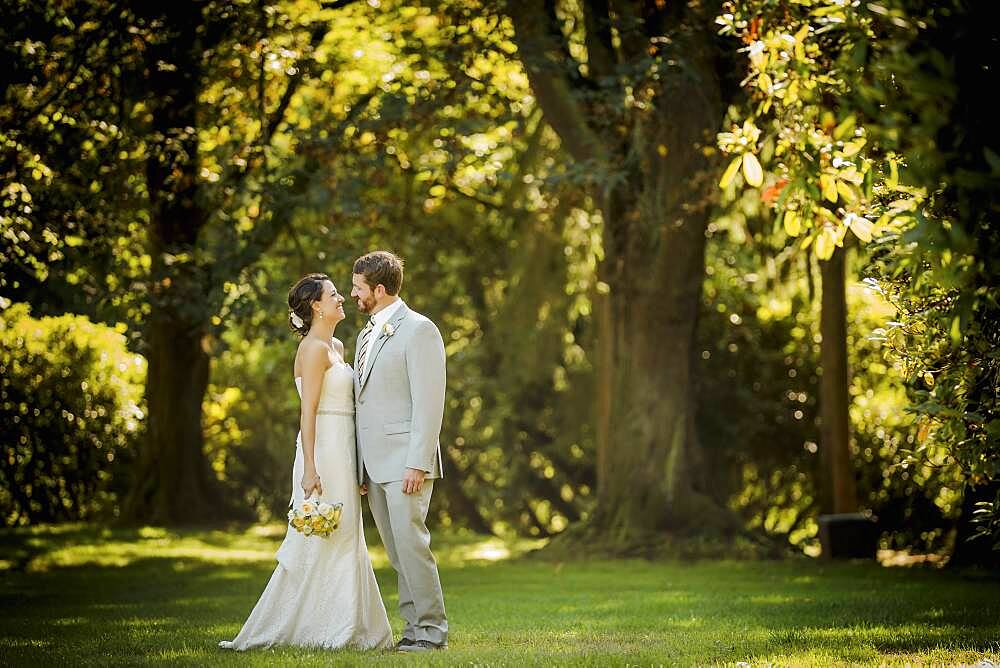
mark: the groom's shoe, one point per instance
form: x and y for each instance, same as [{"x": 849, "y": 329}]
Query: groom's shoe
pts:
[
  {"x": 404, "y": 643},
  {"x": 421, "y": 646}
]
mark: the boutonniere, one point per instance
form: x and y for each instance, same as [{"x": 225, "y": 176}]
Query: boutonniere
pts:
[{"x": 388, "y": 330}]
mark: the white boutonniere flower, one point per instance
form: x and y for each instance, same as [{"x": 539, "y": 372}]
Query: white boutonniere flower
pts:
[{"x": 388, "y": 329}]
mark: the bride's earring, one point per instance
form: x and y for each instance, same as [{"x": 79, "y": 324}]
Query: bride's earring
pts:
[{"x": 321, "y": 314}]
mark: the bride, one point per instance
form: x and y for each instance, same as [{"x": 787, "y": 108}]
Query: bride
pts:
[{"x": 323, "y": 591}]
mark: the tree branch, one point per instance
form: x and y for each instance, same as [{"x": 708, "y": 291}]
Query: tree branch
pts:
[
  {"x": 600, "y": 50},
  {"x": 263, "y": 236},
  {"x": 552, "y": 87},
  {"x": 269, "y": 128}
]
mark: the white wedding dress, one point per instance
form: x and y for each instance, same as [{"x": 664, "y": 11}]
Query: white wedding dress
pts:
[{"x": 323, "y": 592}]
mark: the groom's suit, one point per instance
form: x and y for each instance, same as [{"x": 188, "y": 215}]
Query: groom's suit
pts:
[{"x": 399, "y": 400}]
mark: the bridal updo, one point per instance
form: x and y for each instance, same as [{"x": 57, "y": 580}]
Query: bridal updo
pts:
[{"x": 307, "y": 290}]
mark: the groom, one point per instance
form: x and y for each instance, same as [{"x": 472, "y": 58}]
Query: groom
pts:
[{"x": 399, "y": 383}]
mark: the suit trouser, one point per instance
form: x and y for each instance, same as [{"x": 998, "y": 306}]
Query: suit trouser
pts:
[{"x": 401, "y": 521}]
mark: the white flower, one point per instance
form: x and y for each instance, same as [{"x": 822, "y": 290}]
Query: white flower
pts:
[
  {"x": 296, "y": 320},
  {"x": 308, "y": 508},
  {"x": 326, "y": 510},
  {"x": 388, "y": 329},
  {"x": 291, "y": 515}
]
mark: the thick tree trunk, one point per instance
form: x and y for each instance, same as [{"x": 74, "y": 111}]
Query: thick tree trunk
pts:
[
  {"x": 839, "y": 489},
  {"x": 173, "y": 481},
  {"x": 654, "y": 244},
  {"x": 655, "y": 178}
]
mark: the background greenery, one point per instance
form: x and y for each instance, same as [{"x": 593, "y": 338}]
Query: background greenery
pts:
[
  {"x": 167, "y": 175},
  {"x": 704, "y": 271}
]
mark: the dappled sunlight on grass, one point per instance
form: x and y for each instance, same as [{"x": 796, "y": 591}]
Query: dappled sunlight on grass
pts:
[
  {"x": 40, "y": 548},
  {"x": 460, "y": 549},
  {"x": 151, "y": 595}
]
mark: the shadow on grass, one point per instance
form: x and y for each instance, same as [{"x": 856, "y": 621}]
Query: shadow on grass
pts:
[{"x": 91, "y": 595}]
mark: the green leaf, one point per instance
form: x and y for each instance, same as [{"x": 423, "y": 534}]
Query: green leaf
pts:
[
  {"x": 845, "y": 192},
  {"x": 730, "y": 173},
  {"x": 792, "y": 223},
  {"x": 826, "y": 243},
  {"x": 861, "y": 226},
  {"x": 852, "y": 148},
  {"x": 992, "y": 158},
  {"x": 845, "y": 129},
  {"x": 828, "y": 184},
  {"x": 752, "y": 171},
  {"x": 893, "y": 181}
]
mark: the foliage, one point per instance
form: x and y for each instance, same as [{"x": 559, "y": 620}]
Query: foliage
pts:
[
  {"x": 71, "y": 414},
  {"x": 758, "y": 395},
  {"x": 819, "y": 177},
  {"x": 861, "y": 104}
]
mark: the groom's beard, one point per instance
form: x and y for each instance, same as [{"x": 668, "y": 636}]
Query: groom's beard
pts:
[{"x": 366, "y": 305}]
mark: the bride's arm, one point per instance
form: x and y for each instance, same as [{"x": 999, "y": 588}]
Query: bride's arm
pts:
[{"x": 315, "y": 361}]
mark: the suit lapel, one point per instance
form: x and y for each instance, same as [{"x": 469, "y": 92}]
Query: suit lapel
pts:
[{"x": 380, "y": 342}]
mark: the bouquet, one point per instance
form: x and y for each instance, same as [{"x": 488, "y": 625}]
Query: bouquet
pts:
[{"x": 315, "y": 518}]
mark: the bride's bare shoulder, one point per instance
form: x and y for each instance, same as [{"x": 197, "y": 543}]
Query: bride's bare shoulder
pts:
[
  {"x": 311, "y": 353},
  {"x": 338, "y": 345}
]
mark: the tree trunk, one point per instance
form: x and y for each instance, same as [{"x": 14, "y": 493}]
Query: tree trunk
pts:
[
  {"x": 173, "y": 481},
  {"x": 175, "y": 484},
  {"x": 840, "y": 491},
  {"x": 655, "y": 248},
  {"x": 655, "y": 204}
]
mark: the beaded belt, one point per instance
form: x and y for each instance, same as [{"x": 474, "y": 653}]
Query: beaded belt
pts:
[{"x": 335, "y": 412}]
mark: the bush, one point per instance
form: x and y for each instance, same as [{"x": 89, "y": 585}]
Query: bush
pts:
[{"x": 70, "y": 416}]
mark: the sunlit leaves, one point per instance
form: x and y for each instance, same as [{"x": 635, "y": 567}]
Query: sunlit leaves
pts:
[
  {"x": 731, "y": 171},
  {"x": 791, "y": 61},
  {"x": 860, "y": 226},
  {"x": 828, "y": 185},
  {"x": 752, "y": 170},
  {"x": 792, "y": 223}
]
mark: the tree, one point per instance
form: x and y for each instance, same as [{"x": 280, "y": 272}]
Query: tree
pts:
[
  {"x": 839, "y": 488},
  {"x": 635, "y": 94},
  {"x": 190, "y": 97},
  {"x": 874, "y": 108}
]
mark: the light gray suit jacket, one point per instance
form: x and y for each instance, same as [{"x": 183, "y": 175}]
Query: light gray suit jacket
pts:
[{"x": 399, "y": 402}]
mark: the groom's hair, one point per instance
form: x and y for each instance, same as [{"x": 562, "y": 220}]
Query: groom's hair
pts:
[{"x": 381, "y": 267}]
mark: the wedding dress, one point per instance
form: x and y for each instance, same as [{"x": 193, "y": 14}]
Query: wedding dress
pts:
[{"x": 323, "y": 592}]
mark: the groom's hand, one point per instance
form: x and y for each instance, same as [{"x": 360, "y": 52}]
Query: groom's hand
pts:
[{"x": 413, "y": 480}]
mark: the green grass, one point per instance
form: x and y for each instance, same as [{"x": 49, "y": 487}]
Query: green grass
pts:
[{"x": 83, "y": 595}]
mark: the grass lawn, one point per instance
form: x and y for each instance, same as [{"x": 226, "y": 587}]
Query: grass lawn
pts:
[{"x": 83, "y": 595}]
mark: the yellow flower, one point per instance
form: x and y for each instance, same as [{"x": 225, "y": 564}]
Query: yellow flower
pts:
[
  {"x": 307, "y": 529},
  {"x": 298, "y": 522}
]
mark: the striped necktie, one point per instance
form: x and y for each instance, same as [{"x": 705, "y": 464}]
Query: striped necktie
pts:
[{"x": 366, "y": 336}]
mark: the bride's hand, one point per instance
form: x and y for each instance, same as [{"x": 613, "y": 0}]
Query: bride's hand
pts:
[
  {"x": 311, "y": 483},
  {"x": 364, "y": 489}
]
